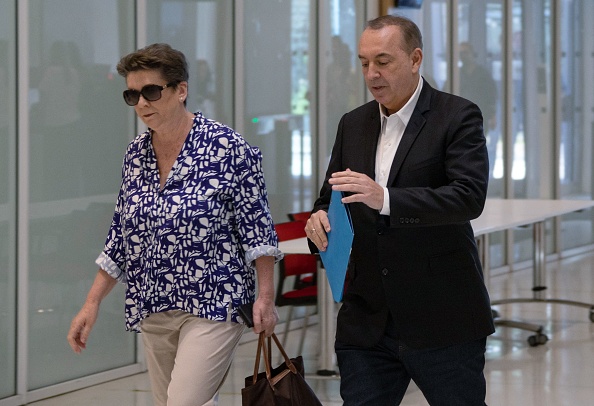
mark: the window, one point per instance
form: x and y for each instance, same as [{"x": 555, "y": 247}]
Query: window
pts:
[
  {"x": 576, "y": 118},
  {"x": 79, "y": 129},
  {"x": 7, "y": 199}
]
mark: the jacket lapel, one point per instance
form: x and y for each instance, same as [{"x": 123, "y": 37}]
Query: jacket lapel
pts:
[
  {"x": 374, "y": 125},
  {"x": 414, "y": 127}
]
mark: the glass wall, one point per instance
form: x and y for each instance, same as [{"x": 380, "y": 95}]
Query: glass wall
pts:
[
  {"x": 277, "y": 87},
  {"x": 479, "y": 71},
  {"x": 576, "y": 117},
  {"x": 342, "y": 87},
  {"x": 532, "y": 130},
  {"x": 200, "y": 29},
  {"x": 7, "y": 198},
  {"x": 79, "y": 128},
  {"x": 480, "y": 51},
  {"x": 433, "y": 19}
]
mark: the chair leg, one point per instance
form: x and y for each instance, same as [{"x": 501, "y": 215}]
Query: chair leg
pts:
[
  {"x": 286, "y": 334},
  {"x": 303, "y": 331}
]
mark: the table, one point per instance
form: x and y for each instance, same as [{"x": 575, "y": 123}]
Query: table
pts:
[
  {"x": 504, "y": 214},
  {"x": 498, "y": 215}
]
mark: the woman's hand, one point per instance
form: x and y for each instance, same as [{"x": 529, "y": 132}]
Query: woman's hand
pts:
[
  {"x": 265, "y": 316},
  {"x": 81, "y": 327},
  {"x": 264, "y": 311},
  {"x": 83, "y": 322}
]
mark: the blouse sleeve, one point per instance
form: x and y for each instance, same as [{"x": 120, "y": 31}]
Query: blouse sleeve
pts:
[
  {"x": 254, "y": 221},
  {"x": 112, "y": 258}
]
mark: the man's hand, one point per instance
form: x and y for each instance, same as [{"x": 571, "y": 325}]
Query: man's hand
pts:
[
  {"x": 365, "y": 190},
  {"x": 317, "y": 227}
]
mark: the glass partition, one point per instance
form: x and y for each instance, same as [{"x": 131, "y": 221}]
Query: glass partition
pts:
[
  {"x": 433, "y": 21},
  {"x": 79, "y": 129},
  {"x": 532, "y": 145},
  {"x": 277, "y": 88},
  {"x": 8, "y": 173},
  {"x": 342, "y": 87},
  {"x": 576, "y": 126},
  {"x": 479, "y": 66},
  {"x": 480, "y": 79},
  {"x": 200, "y": 29}
]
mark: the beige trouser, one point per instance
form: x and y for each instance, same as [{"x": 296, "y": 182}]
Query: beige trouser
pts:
[{"x": 187, "y": 357}]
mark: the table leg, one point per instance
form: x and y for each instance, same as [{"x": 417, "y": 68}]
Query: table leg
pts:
[
  {"x": 539, "y": 281},
  {"x": 327, "y": 324},
  {"x": 539, "y": 252},
  {"x": 483, "y": 248}
]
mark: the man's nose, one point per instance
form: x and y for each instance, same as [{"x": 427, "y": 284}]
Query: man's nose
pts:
[{"x": 372, "y": 71}]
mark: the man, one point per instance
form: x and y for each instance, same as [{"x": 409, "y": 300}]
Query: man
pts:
[{"x": 414, "y": 170}]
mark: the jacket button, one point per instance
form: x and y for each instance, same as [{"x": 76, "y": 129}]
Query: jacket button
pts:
[{"x": 385, "y": 272}]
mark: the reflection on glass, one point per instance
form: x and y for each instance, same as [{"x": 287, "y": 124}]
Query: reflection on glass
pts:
[
  {"x": 277, "y": 106},
  {"x": 60, "y": 123},
  {"x": 480, "y": 72},
  {"x": 532, "y": 136},
  {"x": 342, "y": 83},
  {"x": 477, "y": 84},
  {"x": 7, "y": 201},
  {"x": 200, "y": 29},
  {"x": 432, "y": 20},
  {"x": 518, "y": 136},
  {"x": 343, "y": 86},
  {"x": 79, "y": 128},
  {"x": 206, "y": 96},
  {"x": 576, "y": 118}
]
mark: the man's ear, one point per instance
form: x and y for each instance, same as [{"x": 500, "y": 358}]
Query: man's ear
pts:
[{"x": 417, "y": 58}]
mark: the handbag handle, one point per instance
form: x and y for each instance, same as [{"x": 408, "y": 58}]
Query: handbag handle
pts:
[{"x": 267, "y": 350}]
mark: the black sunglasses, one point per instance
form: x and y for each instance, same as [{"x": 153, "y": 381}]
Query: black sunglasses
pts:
[{"x": 149, "y": 92}]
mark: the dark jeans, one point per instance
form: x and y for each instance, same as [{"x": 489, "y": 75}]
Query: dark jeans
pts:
[{"x": 378, "y": 376}]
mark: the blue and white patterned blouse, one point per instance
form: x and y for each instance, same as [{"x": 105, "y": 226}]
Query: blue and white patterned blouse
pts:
[{"x": 191, "y": 245}]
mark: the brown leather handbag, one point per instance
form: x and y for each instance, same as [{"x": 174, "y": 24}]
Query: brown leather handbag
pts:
[{"x": 281, "y": 386}]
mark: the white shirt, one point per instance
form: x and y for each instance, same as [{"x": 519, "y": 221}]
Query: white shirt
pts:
[{"x": 393, "y": 127}]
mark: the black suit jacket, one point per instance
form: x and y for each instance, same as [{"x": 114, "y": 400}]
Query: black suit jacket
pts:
[{"x": 420, "y": 264}]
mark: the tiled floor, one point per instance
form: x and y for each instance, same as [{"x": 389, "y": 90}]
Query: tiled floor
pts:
[{"x": 558, "y": 373}]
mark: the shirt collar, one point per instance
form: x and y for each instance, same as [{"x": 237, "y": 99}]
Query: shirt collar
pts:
[{"x": 406, "y": 111}]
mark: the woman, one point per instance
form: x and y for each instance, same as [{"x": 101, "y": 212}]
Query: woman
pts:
[{"x": 190, "y": 231}]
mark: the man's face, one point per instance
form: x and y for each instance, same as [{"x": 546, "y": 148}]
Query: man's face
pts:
[{"x": 391, "y": 73}]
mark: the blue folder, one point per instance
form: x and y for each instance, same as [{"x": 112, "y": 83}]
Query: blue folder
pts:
[{"x": 340, "y": 241}]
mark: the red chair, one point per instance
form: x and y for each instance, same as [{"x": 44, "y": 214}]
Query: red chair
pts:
[
  {"x": 296, "y": 266},
  {"x": 301, "y": 216}
]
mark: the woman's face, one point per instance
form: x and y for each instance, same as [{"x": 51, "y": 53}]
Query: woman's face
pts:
[{"x": 159, "y": 113}]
